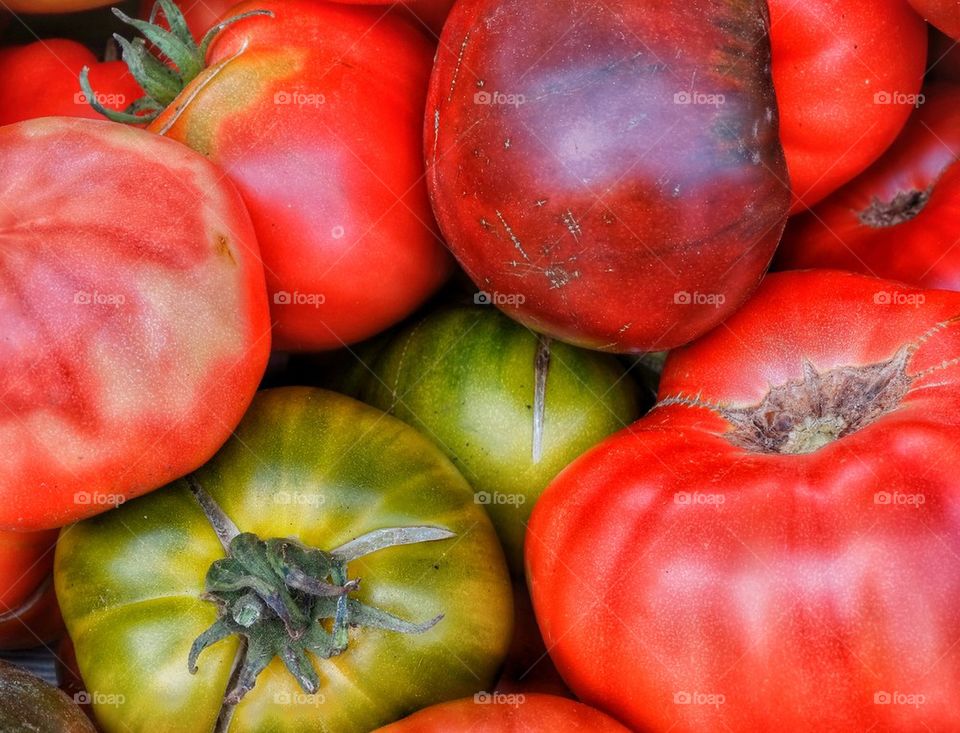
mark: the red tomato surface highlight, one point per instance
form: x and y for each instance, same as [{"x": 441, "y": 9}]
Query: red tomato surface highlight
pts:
[
  {"x": 901, "y": 218},
  {"x": 507, "y": 713},
  {"x": 133, "y": 312},
  {"x": 41, "y": 80},
  {"x": 315, "y": 113},
  {"x": 847, "y": 73},
  {"x": 776, "y": 545}
]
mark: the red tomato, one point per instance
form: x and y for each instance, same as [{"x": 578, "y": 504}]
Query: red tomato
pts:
[
  {"x": 42, "y": 81},
  {"x": 899, "y": 219},
  {"x": 944, "y": 14},
  {"x": 776, "y": 546},
  {"x": 507, "y": 713},
  {"x": 616, "y": 183},
  {"x": 135, "y": 326},
  {"x": 326, "y": 151},
  {"x": 847, "y": 73},
  {"x": 29, "y": 615},
  {"x": 943, "y": 57},
  {"x": 52, "y": 6}
]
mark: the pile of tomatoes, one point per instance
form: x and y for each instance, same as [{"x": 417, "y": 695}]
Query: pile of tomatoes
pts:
[{"x": 480, "y": 365}]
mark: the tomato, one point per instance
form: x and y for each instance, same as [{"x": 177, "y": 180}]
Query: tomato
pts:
[
  {"x": 508, "y": 408},
  {"x": 305, "y": 466},
  {"x": 776, "y": 546},
  {"x": 943, "y": 58},
  {"x": 28, "y": 608},
  {"x": 44, "y": 81},
  {"x": 315, "y": 114},
  {"x": 135, "y": 326},
  {"x": 486, "y": 713},
  {"x": 29, "y": 703},
  {"x": 607, "y": 197},
  {"x": 847, "y": 75},
  {"x": 899, "y": 219},
  {"x": 944, "y": 14}
]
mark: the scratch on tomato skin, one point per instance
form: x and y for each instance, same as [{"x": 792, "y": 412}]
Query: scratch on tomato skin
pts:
[
  {"x": 456, "y": 69},
  {"x": 541, "y": 203},
  {"x": 573, "y": 226},
  {"x": 436, "y": 132},
  {"x": 513, "y": 237}
]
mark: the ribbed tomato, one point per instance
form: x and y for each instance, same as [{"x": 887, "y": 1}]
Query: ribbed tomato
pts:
[
  {"x": 899, "y": 219},
  {"x": 133, "y": 312},
  {"x": 776, "y": 546}
]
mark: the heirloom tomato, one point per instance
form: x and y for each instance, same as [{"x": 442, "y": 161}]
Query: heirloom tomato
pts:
[
  {"x": 27, "y": 703},
  {"x": 133, "y": 312},
  {"x": 339, "y": 543},
  {"x": 776, "y": 545}
]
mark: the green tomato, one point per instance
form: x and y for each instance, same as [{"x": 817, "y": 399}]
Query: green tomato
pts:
[
  {"x": 243, "y": 550},
  {"x": 27, "y": 703},
  {"x": 468, "y": 379}
]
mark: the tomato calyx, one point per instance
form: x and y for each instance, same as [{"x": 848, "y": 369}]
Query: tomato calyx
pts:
[
  {"x": 285, "y": 599},
  {"x": 905, "y": 206},
  {"x": 162, "y": 74}
]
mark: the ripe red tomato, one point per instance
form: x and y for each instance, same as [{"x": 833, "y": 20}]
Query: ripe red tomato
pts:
[
  {"x": 507, "y": 713},
  {"x": 42, "y": 81},
  {"x": 898, "y": 219},
  {"x": 847, "y": 73},
  {"x": 944, "y": 14},
  {"x": 27, "y": 616},
  {"x": 616, "y": 183},
  {"x": 133, "y": 312},
  {"x": 52, "y": 6},
  {"x": 776, "y": 546},
  {"x": 315, "y": 113}
]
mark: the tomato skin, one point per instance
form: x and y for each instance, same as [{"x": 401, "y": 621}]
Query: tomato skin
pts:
[
  {"x": 801, "y": 595},
  {"x": 465, "y": 377},
  {"x": 134, "y": 316},
  {"x": 920, "y": 249},
  {"x": 28, "y": 703},
  {"x": 325, "y": 469},
  {"x": 943, "y": 14},
  {"x": 44, "y": 7},
  {"x": 830, "y": 60},
  {"x": 532, "y": 714},
  {"x": 29, "y": 615},
  {"x": 335, "y": 190},
  {"x": 517, "y": 186},
  {"x": 45, "y": 81}
]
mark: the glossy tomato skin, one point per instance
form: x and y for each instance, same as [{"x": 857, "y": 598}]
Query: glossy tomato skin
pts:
[
  {"x": 847, "y": 73},
  {"x": 325, "y": 149},
  {"x": 531, "y": 713},
  {"x": 134, "y": 317},
  {"x": 324, "y": 469},
  {"x": 29, "y": 703},
  {"x": 897, "y": 220},
  {"x": 466, "y": 378},
  {"x": 795, "y": 586},
  {"x": 943, "y": 14},
  {"x": 29, "y": 615},
  {"x": 43, "y": 81},
  {"x": 581, "y": 178}
]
